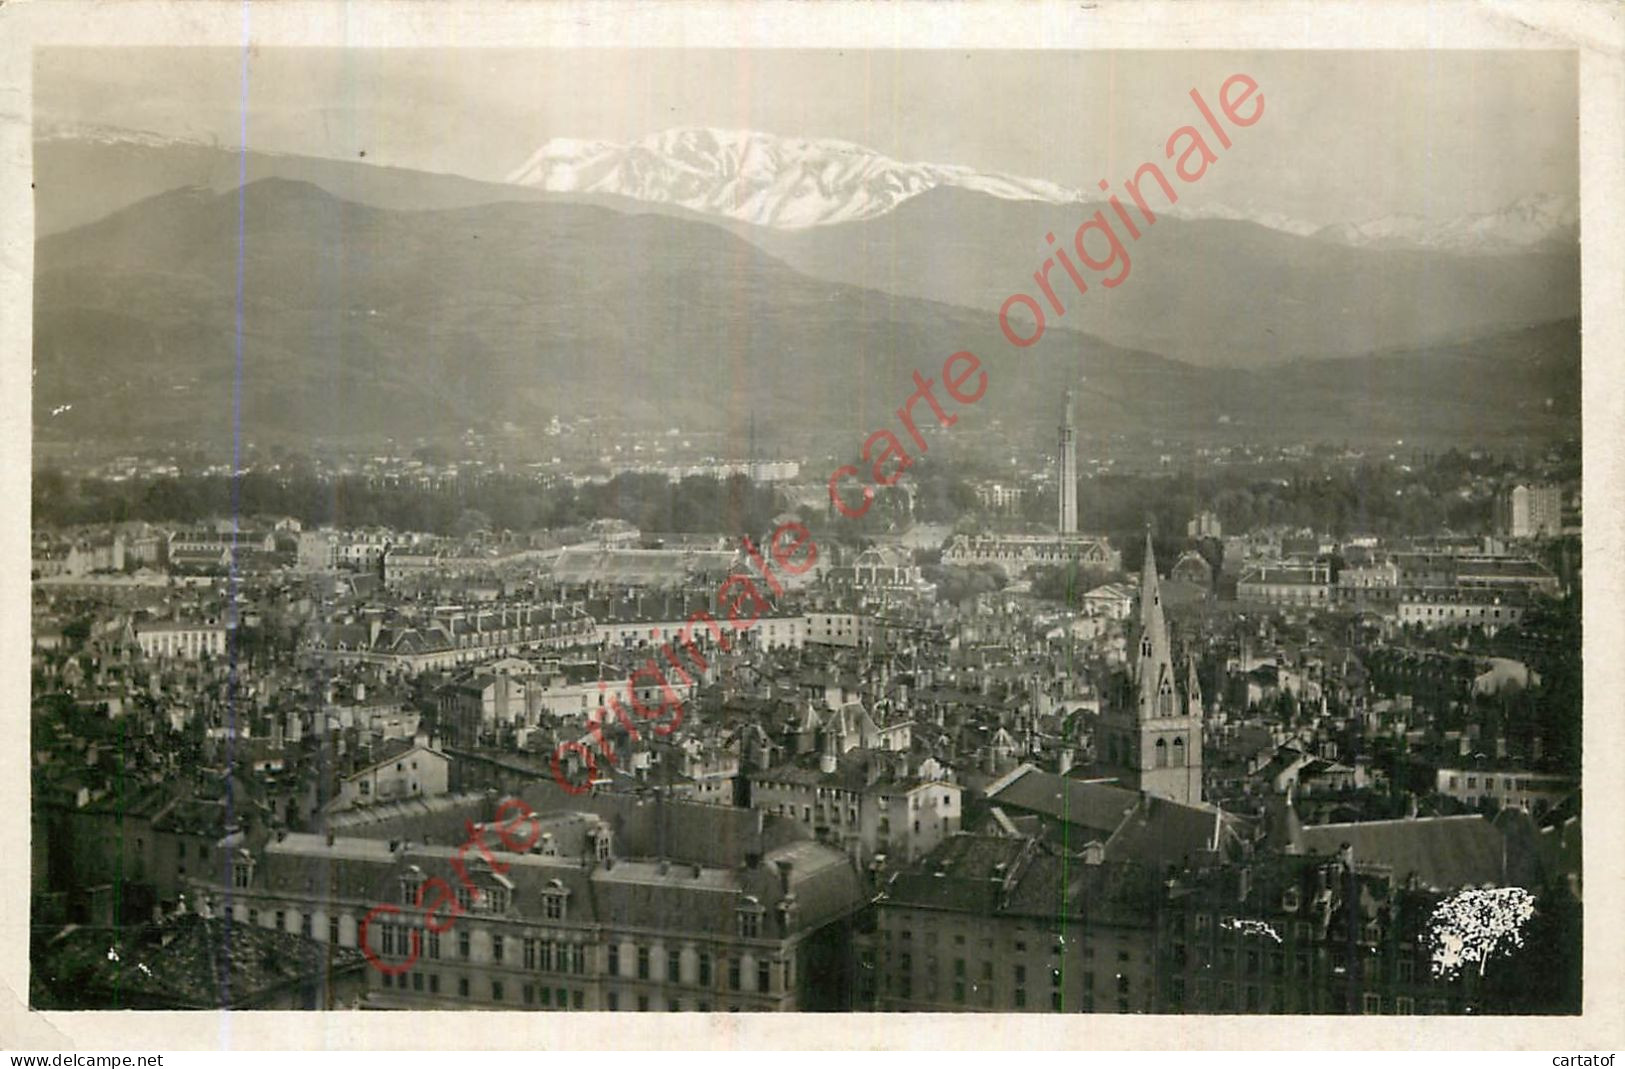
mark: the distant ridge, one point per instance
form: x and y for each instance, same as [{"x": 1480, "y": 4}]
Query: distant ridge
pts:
[{"x": 362, "y": 323}]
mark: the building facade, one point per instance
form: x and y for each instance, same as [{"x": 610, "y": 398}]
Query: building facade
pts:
[
  {"x": 1016, "y": 554},
  {"x": 991, "y": 924},
  {"x": 569, "y": 922},
  {"x": 1530, "y": 511}
]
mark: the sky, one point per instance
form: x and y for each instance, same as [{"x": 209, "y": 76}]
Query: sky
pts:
[{"x": 1345, "y": 136}]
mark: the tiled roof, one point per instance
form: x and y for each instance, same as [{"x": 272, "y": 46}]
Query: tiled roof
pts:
[
  {"x": 187, "y": 963},
  {"x": 639, "y": 892},
  {"x": 1159, "y": 832},
  {"x": 1444, "y": 853},
  {"x": 999, "y": 875},
  {"x": 1094, "y": 807}
]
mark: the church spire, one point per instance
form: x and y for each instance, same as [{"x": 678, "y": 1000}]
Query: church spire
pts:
[
  {"x": 1150, "y": 590},
  {"x": 1154, "y": 666}
]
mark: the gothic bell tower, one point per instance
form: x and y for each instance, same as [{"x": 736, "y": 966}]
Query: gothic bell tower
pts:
[{"x": 1155, "y": 732}]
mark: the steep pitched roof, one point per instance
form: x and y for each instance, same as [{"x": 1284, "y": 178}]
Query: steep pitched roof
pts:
[
  {"x": 1098, "y": 808},
  {"x": 1444, "y": 853},
  {"x": 1160, "y": 831}
]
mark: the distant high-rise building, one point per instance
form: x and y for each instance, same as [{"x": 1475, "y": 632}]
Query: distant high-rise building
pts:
[
  {"x": 1530, "y": 511},
  {"x": 1069, "y": 472},
  {"x": 1204, "y": 524}
]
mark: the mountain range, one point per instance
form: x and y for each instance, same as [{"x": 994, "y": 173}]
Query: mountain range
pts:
[
  {"x": 359, "y": 321},
  {"x": 1210, "y": 286},
  {"x": 792, "y": 183}
]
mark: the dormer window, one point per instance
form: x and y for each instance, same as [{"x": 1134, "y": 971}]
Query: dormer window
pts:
[
  {"x": 1291, "y": 900},
  {"x": 411, "y": 883},
  {"x": 555, "y": 900},
  {"x": 242, "y": 871},
  {"x": 749, "y": 917}
]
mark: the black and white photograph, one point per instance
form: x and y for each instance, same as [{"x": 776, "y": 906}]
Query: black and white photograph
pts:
[{"x": 810, "y": 529}]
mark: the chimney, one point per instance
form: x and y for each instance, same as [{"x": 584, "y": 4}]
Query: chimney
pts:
[
  {"x": 1066, "y": 760},
  {"x": 828, "y": 759},
  {"x": 784, "y": 877}
]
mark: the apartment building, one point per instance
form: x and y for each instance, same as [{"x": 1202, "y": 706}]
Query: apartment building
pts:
[
  {"x": 864, "y": 802},
  {"x": 614, "y": 903},
  {"x": 187, "y": 640},
  {"x": 1003, "y": 924}
]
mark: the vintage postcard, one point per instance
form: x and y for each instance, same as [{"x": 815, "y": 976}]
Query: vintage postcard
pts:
[{"x": 730, "y": 515}]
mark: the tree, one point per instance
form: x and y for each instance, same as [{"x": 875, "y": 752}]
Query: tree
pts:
[{"x": 470, "y": 521}]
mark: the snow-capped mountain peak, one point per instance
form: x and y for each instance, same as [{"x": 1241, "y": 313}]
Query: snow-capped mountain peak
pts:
[
  {"x": 793, "y": 183},
  {"x": 783, "y": 182},
  {"x": 1529, "y": 221}
]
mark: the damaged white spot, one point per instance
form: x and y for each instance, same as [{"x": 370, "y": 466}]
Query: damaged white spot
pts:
[
  {"x": 1252, "y": 927},
  {"x": 1472, "y": 926}
]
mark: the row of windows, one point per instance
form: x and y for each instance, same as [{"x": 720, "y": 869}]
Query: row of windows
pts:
[
  {"x": 644, "y": 1004},
  {"x": 396, "y": 941},
  {"x": 1457, "y": 611},
  {"x": 1223, "y": 996},
  {"x": 1508, "y": 783},
  {"x": 983, "y": 993},
  {"x": 1255, "y": 963},
  {"x": 420, "y": 982},
  {"x": 1162, "y": 751},
  {"x": 703, "y": 968}
]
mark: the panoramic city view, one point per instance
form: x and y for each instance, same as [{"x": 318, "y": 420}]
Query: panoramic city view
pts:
[{"x": 687, "y": 531}]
